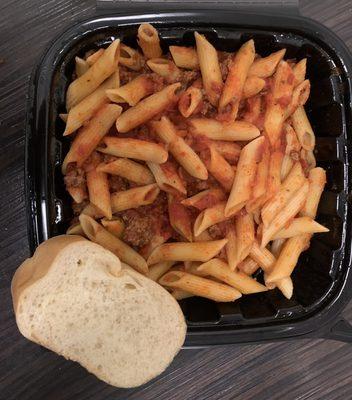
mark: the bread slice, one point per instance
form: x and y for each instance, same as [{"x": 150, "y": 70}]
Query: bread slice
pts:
[{"x": 75, "y": 298}]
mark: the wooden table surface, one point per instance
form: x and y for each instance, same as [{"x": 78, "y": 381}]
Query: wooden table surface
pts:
[{"x": 306, "y": 369}]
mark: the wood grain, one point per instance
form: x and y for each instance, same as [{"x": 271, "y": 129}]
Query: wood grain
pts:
[{"x": 309, "y": 369}]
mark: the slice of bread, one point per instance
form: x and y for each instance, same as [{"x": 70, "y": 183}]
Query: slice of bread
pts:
[{"x": 75, "y": 298}]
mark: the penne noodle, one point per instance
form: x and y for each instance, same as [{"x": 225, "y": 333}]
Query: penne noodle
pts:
[
  {"x": 300, "y": 96},
  {"x": 158, "y": 239},
  {"x": 236, "y": 77},
  {"x": 179, "y": 217},
  {"x": 130, "y": 58},
  {"x": 221, "y": 170},
  {"x": 105, "y": 66},
  {"x": 246, "y": 171},
  {"x": 167, "y": 177},
  {"x": 299, "y": 71},
  {"x": 265, "y": 67},
  {"x": 182, "y": 152},
  {"x": 254, "y": 109},
  {"x": 78, "y": 194},
  {"x": 179, "y": 294},
  {"x": 229, "y": 150},
  {"x": 156, "y": 271},
  {"x": 300, "y": 226},
  {"x": 248, "y": 266},
  {"x": 253, "y": 86},
  {"x": 99, "y": 193},
  {"x": 183, "y": 251},
  {"x": 134, "y": 148},
  {"x": 288, "y": 258},
  {"x": 91, "y": 134},
  {"x": 133, "y": 91},
  {"x": 128, "y": 169},
  {"x": 199, "y": 286},
  {"x": 303, "y": 128},
  {"x": 308, "y": 158},
  {"x": 184, "y": 57},
  {"x": 260, "y": 187},
  {"x": 63, "y": 117},
  {"x": 148, "y": 41},
  {"x": 231, "y": 247},
  {"x": 274, "y": 176},
  {"x": 147, "y": 108},
  {"x": 85, "y": 109},
  {"x": 292, "y": 208},
  {"x": 229, "y": 131},
  {"x": 203, "y": 237},
  {"x": 115, "y": 226},
  {"x": 317, "y": 181},
  {"x": 205, "y": 199},
  {"x": 189, "y": 101},
  {"x": 209, "y": 217},
  {"x": 244, "y": 226},
  {"x": 75, "y": 229},
  {"x": 291, "y": 184},
  {"x": 240, "y": 281},
  {"x": 134, "y": 198},
  {"x": 92, "y": 211},
  {"x": 81, "y": 66},
  {"x": 96, "y": 233},
  {"x": 165, "y": 68},
  {"x": 280, "y": 97},
  {"x": 94, "y": 57},
  {"x": 210, "y": 68}
]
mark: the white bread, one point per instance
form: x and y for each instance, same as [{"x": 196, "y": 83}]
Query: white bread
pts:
[{"x": 75, "y": 298}]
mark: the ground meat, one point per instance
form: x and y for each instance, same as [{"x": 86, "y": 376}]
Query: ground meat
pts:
[
  {"x": 158, "y": 82},
  {"x": 138, "y": 228},
  {"x": 218, "y": 231},
  {"x": 77, "y": 208},
  {"x": 92, "y": 161},
  {"x": 188, "y": 77},
  {"x": 75, "y": 177},
  {"x": 225, "y": 60},
  {"x": 118, "y": 184},
  {"x": 207, "y": 110}
]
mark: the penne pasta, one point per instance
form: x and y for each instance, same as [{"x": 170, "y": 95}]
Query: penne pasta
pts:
[
  {"x": 317, "y": 181},
  {"x": 105, "y": 66},
  {"x": 210, "y": 68},
  {"x": 183, "y": 251},
  {"x": 99, "y": 193},
  {"x": 246, "y": 171},
  {"x": 96, "y": 233},
  {"x": 158, "y": 239},
  {"x": 182, "y": 152},
  {"x": 205, "y": 199},
  {"x": 291, "y": 184},
  {"x": 308, "y": 159},
  {"x": 274, "y": 176},
  {"x": 94, "y": 57},
  {"x": 147, "y": 108},
  {"x": 190, "y": 100},
  {"x": 253, "y": 86},
  {"x": 210, "y": 216},
  {"x": 79, "y": 194},
  {"x": 179, "y": 294},
  {"x": 90, "y": 135},
  {"x": 244, "y": 226},
  {"x": 167, "y": 177},
  {"x": 248, "y": 266},
  {"x": 85, "y": 109},
  {"x": 185, "y": 57},
  {"x": 230, "y": 151},
  {"x": 276, "y": 246},
  {"x": 229, "y": 131},
  {"x": 237, "y": 279},
  {"x": 134, "y": 148},
  {"x": 92, "y": 211},
  {"x": 134, "y": 198},
  {"x": 128, "y": 169},
  {"x": 299, "y": 71},
  {"x": 254, "y": 109},
  {"x": 133, "y": 91},
  {"x": 199, "y": 286},
  {"x": 165, "y": 68},
  {"x": 148, "y": 41},
  {"x": 81, "y": 66},
  {"x": 265, "y": 67},
  {"x": 231, "y": 247},
  {"x": 236, "y": 77},
  {"x": 114, "y": 225},
  {"x": 156, "y": 271},
  {"x": 300, "y": 226},
  {"x": 300, "y": 96},
  {"x": 221, "y": 170},
  {"x": 75, "y": 229},
  {"x": 303, "y": 128},
  {"x": 130, "y": 58},
  {"x": 179, "y": 217},
  {"x": 292, "y": 208}
]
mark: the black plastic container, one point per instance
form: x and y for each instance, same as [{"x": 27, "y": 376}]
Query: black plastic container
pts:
[{"x": 322, "y": 279}]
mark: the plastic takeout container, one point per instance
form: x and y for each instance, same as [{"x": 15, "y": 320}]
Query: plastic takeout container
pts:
[{"x": 322, "y": 279}]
